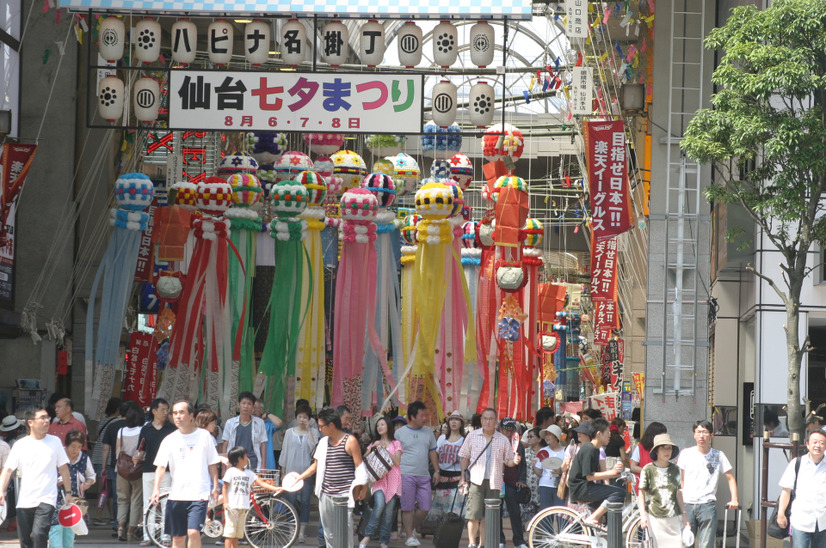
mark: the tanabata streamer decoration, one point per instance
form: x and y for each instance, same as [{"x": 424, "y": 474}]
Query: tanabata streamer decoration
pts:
[
  {"x": 387, "y": 313},
  {"x": 291, "y": 164},
  {"x": 202, "y": 333},
  {"x": 355, "y": 297},
  {"x": 309, "y": 377},
  {"x": 406, "y": 173},
  {"x": 501, "y": 141},
  {"x": 532, "y": 259},
  {"x": 434, "y": 259},
  {"x": 246, "y": 224},
  {"x": 266, "y": 147},
  {"x": 471, "y": 255},
  {"x": 288, "y": 304},
  {"x": 409, "y": 239},
  {"x": 350, "y": 167},
  {"x": 133, "y": 194},
  {"x": 441, "y": 142},
  {"x": 323, "y": 143}
]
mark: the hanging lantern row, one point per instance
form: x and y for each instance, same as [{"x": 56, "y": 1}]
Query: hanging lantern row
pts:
[
  {"x": 146, "y": 99},
  {"x": 480, "y": 103},
  {"x": 334, "y": 45}
]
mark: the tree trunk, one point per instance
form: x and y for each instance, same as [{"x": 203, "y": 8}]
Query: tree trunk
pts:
[{"x": 795, "y": 409}]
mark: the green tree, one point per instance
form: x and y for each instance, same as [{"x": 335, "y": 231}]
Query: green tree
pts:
[{"x": 766, "y": 140}]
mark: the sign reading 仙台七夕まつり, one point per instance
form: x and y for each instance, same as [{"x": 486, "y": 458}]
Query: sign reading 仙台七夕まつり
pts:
[{"x": 311, "y": 102}]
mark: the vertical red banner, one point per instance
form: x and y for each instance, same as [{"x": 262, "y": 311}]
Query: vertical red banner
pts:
[
  {"x": 606, "y": 319},
  {"x": 603, "y": 269},
  {"x": 607, "y": 178},
  {"x": 146, "y": 252},
  {"x": 141, "y": 381}
]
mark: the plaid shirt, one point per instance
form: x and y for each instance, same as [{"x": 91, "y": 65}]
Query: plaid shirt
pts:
[{"x": 501, "y": 452}]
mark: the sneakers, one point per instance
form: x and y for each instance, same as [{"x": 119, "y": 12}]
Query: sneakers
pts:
[
  {"x": 523, "y": 545},
  {"x": 412, "y": 541},
  {"x": 471, "y": 546}
]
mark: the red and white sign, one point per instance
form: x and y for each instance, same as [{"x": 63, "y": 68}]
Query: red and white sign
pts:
[
  {"x": 603, "y": 269},
  {"x": 607, "y": 403},
  {"x": 141, "y": 382},
  {"x": 607, "y": 178}
]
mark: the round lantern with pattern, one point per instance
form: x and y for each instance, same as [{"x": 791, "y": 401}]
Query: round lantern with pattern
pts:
[
  {"x": 482, "y": 45},
  {"x": 315, "y": 184},
  {"x": 508, "y": 181},
  {"x": 291, "y": 164},
  {"x": 111, "y": 38},
  {"x": 110, "y": 98},
  {"x": 434, "y": 200},
  {"x": 323, "y": 143},
  {"x": 219, "y": 42},
  {"x": 266, "y": 147},
  {"x": 444, "y": 103},
  {"x": 481, "y": 104},
  {"x": 237, "y": 162},
  {"x": 293, "y": 42},
  {"x": 384, "y": 145},
  {"x": 409, "y": 41},
  {"x": 406, "y": 173},
  {"x": 184, "y": 41},
  {"x": 440, "y": 169},
  {"x": 350, "y": 167},
  {"x": 461, "y": 170},
  {"x": 441, "y": 142},
  {"x": 146, "y": 99},
  {"x": 335, "y": 43},
  {"x": 267, "y": 176},
  {"x": 500, "y": 142},
  {"x": 186, "y": 195},
  {"x": 323, "y": 165},
  {"x": 134, "y": 191},
  {"x": 289, "y": 198},
  {"x": 458, "y": 198},
  {"x": 383, "y": 165},
  {"x": 534, "y": 233},
  {"x": 445, "y": 44},
  {"x": 214, "y": 196},
  {"x": 469, "y": 234},
  {"x": 148, "y": 40},
  {"x": 246, "y": 189},
  {"x": 371, "y": 43},
  {"x": 358, "y": 204},
  {"x": 382, "y": 187},
  {"x": 408, "y": 229},
  {"x": 257, "y": 42}
]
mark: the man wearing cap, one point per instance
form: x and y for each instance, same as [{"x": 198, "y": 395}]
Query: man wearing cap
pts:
[
  {"x": 515, "y": 479},
  {"x": 585, "y": 477},
  {"x": 483, "y": 453},
  {"x": 39, "y": 456},
  {"x": 700, "y": 468}
]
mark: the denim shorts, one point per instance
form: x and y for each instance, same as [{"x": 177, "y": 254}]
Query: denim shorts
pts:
[{"x": 183, "y": 515}]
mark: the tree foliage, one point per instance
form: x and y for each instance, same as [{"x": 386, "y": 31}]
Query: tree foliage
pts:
[{"x": 765, "y": 136}]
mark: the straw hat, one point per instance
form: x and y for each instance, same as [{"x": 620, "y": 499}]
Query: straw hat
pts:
[
  {"x": 552, "y": 429},
  {"x": 663, "y": 439},
  {"x": 10, "y": 422}
]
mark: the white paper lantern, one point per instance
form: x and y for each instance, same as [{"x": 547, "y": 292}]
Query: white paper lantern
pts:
[
  {"x": 335, "y": 43},
  {"x": 112, "y": 36},
  {"x": 371, "y": 43},
  {"x": 482, "y": 44},
  {"x": 481, "y": 104},
  {"x": 184, "y": 41},
  {"x": 146, "y": 98},
  {"x": 257, "y": 42},
  {"x": 148, "y": 41},
  {"x": 409, "y": 42},
  {"x": 219, "y": 42},
  {"x": 293, "y": 42},
  {"x": 110, "y": 98},
  {"x": 445, "y": 44},
  {"x": 444, "y": 103}
]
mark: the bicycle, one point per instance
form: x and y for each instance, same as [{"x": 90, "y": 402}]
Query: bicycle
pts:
[
  {"x": 271, "y": 521},
  {"x": 560, "y": 526}
]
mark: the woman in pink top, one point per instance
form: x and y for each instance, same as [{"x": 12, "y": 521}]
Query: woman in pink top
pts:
[{"x": 387, "y": 490}]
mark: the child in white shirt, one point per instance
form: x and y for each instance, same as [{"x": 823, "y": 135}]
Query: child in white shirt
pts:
[{"x": 238, "y": 484}]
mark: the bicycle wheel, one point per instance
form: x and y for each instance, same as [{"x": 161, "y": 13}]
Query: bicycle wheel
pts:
[
  {"x": 213, "y": 526},
  {"x": 271, "y": 523},
  {"x": 557, "y": 526},
  {"x": 154, "y": 523},
  {"x": 637, "y": 537}
]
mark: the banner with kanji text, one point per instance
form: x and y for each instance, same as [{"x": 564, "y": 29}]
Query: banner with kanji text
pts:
[
  {"x": 603, "y": 269},
  {"x": 141, "y": 381},
  {"x": 606, "y": 319},
  {"x": 607, "y": 178}
]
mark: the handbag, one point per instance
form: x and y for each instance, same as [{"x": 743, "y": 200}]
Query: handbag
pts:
[
  {"x": 772, "y": 528},
  {"x": 523, "y": 495},
  {"x": 127, "y": 468},
  {"x": 377, "y": 463}
]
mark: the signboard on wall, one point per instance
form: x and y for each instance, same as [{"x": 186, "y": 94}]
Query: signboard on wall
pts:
[{"x": 310, "y": 102}]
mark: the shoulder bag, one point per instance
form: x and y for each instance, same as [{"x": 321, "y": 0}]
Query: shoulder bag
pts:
[
  {"x": 127, "y": 468},
  {"x": 774, "y": 530},
  {"x": 378, "y": 463}
]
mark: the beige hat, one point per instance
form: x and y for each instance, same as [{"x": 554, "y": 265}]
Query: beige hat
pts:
[
  {"x": 552, "y": 429},
  {"x": 663, "y": 439}
]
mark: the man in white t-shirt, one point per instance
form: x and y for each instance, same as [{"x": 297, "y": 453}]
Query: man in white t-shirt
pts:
[
  {"x": 806, "y": 478},
  {"x": 39, "y": 456},
  {"x": 190, "y": 455},
  {"x": 700, "y": 468}
]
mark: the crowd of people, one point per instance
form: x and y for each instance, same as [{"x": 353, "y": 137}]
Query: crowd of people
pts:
[{"x": 398, "y": 473}]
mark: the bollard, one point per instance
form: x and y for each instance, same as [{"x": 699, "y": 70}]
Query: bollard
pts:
[
  {"x": 493, "y": 507},
  {"x": 341, "y": 520},
  {"x": 614, "y": 524}
]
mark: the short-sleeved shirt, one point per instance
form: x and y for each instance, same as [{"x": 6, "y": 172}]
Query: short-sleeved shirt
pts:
[
  {"x": 661, "y": 486},
  {"x": 491, "y": 458},
  {"x": 110, "y": 438},
  {"x": 239, "y": 485},
  {"x": 187, "y": 458},
  {"x": 585, "y": 463},
  {"x": 809, "y": 506},
  {"x": 154, "y": 437},
  {"x": 60, "y": 429},
  {"x": 37, "y": 461},
  {"x": 449, "y": 460},
  {"x": 258, "y": 432},
  {"x": 417, "y": 443},
  {"x": 391, "y": 483},
  {"x": 548, "y": 479},
  {"x": 701, "y": 474}
]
